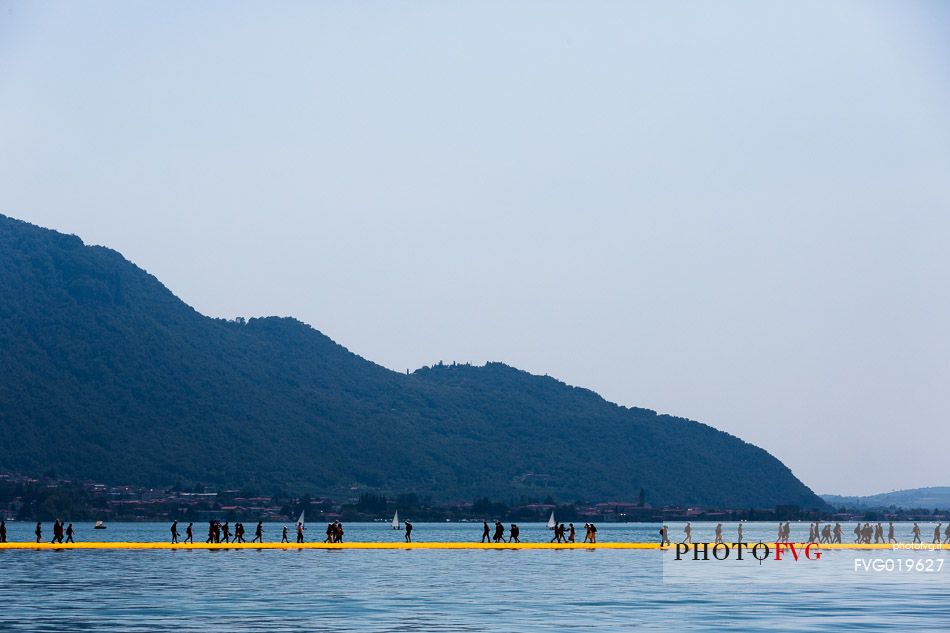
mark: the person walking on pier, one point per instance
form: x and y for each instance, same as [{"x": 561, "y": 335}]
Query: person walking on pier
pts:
[
  {"x": 57, "y": 532},
  {"x": 916, "y": 533},
  {"x": 69, "y": 533},
  {"x": 937, "y": 534},
  {"x": 239, "y": 532},
  {"x": 514, "y": 532},
  {"x": 826, "y": 534},
  {"x": 878, "y": 533},
  {"x": 719, "y": 533},
  {"x": 500, "y": 532},
  {"x": 211, "y": 528},
  {"x": 558, "y": 533},
  {"x": 299, "y": 532},
  {"x": 688, "y": 532},
  {"x": 283, "y": 535},
  {"x": 175, "y": 533},
  {"x": 890, "y": 532},
  {"x": 486, "y": 532},
  {"x": 587, "y": 536},
  {"x": 408, "y": 531},
  {"x": 259, "y": 533},
  {"x": 946, "y": 533},
  {"x": 189, "y": 534},
  {"x": 226, "y": 532},
  {"x": 837, "y": 532},
  {"x": 593, "y": 533},
  {"x": 39, "y": 531},
  {"x": 740, "y": 534},
  {"x": 570, "y": 532},
  {"x": 3, "y": 531},
  {"x": 665, "y": 536}
]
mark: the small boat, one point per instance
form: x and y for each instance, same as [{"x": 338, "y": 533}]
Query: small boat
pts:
[
  {"x": 396, "y": 520},
  {"x": 99, "y": 525},
  {"x": 551, "y": 522}
]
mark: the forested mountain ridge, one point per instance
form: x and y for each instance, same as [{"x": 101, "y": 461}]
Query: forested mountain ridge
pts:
[{"x": 106, "y": 375}]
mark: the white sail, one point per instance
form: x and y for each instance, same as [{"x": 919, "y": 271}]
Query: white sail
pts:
[
  {"x": 300, "y": 518},
  {"x": 396, "y": 520},
  {"x": 551, "y": 522}
]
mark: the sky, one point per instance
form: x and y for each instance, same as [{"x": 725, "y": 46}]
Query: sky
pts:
[{"x": 736, "y": 212}]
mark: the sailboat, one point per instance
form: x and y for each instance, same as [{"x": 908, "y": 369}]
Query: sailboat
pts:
[
  {"x": 396, "y": 520},
  {"x": 300, "y": 518},
  {"x": 551, "y": 522}
]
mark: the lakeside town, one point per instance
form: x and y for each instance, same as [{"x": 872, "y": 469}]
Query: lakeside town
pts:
[{"x": 44, "y": 498}]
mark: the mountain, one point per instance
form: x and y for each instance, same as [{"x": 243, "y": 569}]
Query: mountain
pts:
[
  {"x": 929, "y": 498},
  {"x": 106, "y": 375}
]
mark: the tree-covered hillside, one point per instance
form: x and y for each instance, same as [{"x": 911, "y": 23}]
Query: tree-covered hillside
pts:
[{"x": 106, "y": 375}]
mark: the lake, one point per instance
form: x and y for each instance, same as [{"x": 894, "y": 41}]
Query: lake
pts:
[{"x": 455, "y": 590}]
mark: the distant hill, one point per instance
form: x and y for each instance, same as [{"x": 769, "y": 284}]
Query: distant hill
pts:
[
  {"x": 106, "y": 375},
  {"x": 928, "y": 498}
]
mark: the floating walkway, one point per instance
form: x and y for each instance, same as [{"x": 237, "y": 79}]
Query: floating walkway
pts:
[{"x": 433, "y": 545}]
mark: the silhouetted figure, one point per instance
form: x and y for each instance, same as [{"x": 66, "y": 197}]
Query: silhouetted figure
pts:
[
  {"x": 499, "y": 532},
  {"x": 665, "y": 536},
  {"x": 557, "y": 533},
  {"x": 486, "y": 532},
  {"x": 283, "y": 535},
  {"x": 812, "y": 537},
  {"x": 890, "y": 532},
  {"x": 688, "y": 532},
  {"x": 189, "y": 534},
  {"x": 408, "y": 531},
  {"x": 879, "y": 533},
  {"x": 947, "y": 534},
  {"x": 514, "y": 532},
  {"x": 3, "y": 531},
  {"x": 239, "y": 532},
  {"x": 916, "y": 533},
  {"x": 739, "y": 534},
  {"x": 826, "y": 534},
  {"x": 174, "y": 530},
  {"x": 837, "y": 532},
  {"x": 719, "y": 532},
  {"x": 587, "y": 536},
  {"x": 299, "y": 532},
  {"x": 39, "y": 532},
  {"x": 211, "y": 530},
  {"x": 571, "y": 533},
  {"x": 57, "y": 532},
  {"x": 857, "y": 533},
  {"x": 593, "y": 533},
  {"x": 937, "y": 534},
  {"x": 226, "y": 532},
  {"x": 69, "y": 533},
  {"x": 259, "y": 533}
]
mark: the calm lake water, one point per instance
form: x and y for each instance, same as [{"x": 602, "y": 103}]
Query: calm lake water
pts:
[{"x": 458, "y": 590}]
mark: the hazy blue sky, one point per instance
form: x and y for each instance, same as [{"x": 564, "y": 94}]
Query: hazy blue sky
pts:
[{"x": 735, "y": 212}]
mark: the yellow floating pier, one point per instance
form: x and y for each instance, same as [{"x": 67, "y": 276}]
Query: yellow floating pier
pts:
[{"x": 424, "y": 545}]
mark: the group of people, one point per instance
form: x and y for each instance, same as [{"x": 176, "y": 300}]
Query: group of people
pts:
[
  {"x": 219, "y": 532},
  {"x": 821, "y": 534},
  {"x": 62, "y": 533},
  {"x": 499, "y": 535}
]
